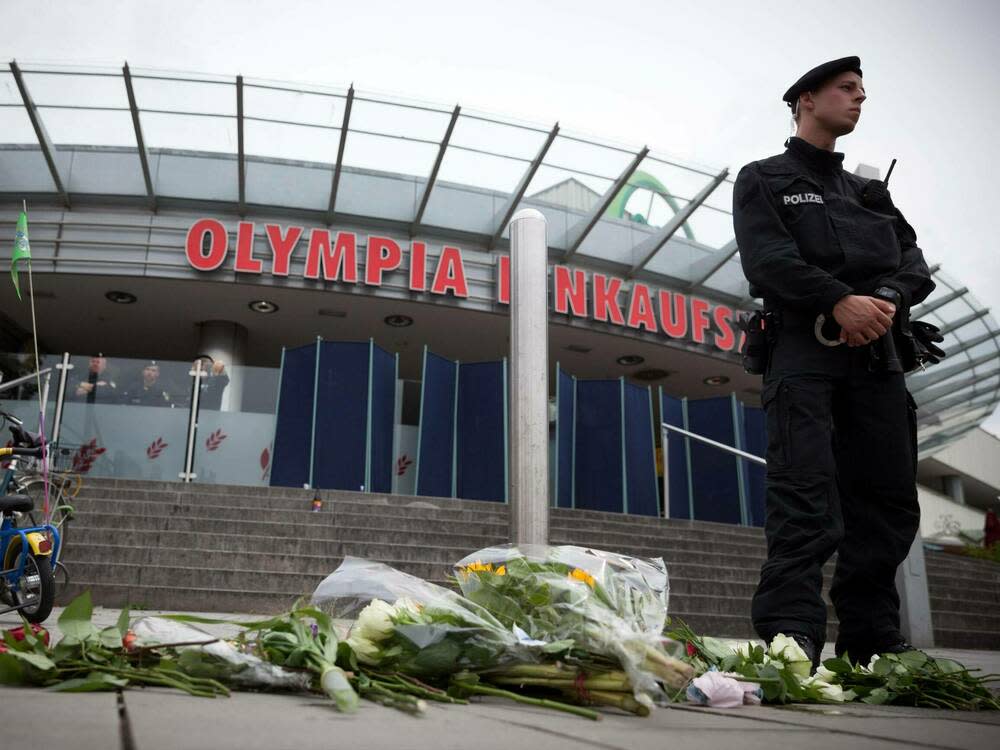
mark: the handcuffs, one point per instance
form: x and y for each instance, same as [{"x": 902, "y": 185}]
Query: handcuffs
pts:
[{"x": 883, "y": 292}]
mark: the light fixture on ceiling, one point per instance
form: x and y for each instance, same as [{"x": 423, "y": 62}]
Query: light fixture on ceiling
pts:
[
  {"x": 263, "y": 306},
  {"x": 120, "y": 298},
  {"x": 398, "y": 321},
  {"x": 716, "y": 380},
  {"x": 630, "y": 360}
]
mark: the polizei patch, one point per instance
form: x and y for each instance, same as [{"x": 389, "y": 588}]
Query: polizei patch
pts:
[{"x": 794, "y": 200}]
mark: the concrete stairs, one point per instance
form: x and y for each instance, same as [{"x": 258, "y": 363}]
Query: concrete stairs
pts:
[
  {"x": 965, "y": 601},
  {"x": 166, "y": 545}
]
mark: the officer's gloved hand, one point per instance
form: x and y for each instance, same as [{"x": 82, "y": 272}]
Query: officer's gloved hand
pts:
[
  {"x": 876, "y": 196},
  {"x": 926, "y": 336}
]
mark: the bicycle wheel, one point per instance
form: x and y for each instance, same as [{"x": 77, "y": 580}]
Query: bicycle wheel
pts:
[
  {"x": 61, "y": 511},
  {"x": 36, "y": 588}
]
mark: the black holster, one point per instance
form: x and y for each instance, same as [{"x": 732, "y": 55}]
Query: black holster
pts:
[{"x": 759, "y": 329}]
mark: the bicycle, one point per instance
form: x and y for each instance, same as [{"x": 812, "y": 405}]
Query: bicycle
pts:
[
  {"x": 29, "y": 553},
  {"x": 28, "y": 480}
]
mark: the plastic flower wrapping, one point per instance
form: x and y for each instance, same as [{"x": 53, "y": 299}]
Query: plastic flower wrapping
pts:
[
  {"x": 413, "y": 626},
  {"x": 567, "y": 597}
]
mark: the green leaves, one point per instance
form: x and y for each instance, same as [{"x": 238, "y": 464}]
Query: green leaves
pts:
[
  {"x": 93, "y": 682},
  {"x": 877, "y": 697},
  {"x": 38, "y": 661},
  {"x": 11, "y": 670},
  {"x": 74, "y": 622}
]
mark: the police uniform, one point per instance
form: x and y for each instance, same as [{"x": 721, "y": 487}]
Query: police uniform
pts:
[
  {"x": 841, "y": 456},
  {"x": 140, "y": 394}
]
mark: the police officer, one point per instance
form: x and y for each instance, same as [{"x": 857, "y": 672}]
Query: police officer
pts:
[
  {"x": 147, "y": 390},
  {"x": 841, "y": 456}
]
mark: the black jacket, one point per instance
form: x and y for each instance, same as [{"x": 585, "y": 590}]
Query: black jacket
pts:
[{"x": 806, "y": 240}]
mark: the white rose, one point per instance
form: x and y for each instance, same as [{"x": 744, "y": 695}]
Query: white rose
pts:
[
  {"x": 871, "y": 665},
  {"x": 833, "y": 693},
  {"x": 744, "y": 649},
  {"x": 825, "y": 675},
  {"x": 406, "y": 606},
  {"x": 366, "y": 651},
  {"x": 375, "y": 621},
  {"x": 787, "y": 650}
]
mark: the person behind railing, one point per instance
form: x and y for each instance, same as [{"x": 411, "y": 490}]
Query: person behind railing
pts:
[
  {"x": 213, "y": 382},
  {"x": 97, "y": 385},
  {"x": 146, "y": 389}
]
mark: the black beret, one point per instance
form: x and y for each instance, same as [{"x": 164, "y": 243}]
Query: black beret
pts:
[{"x": 820, "y": 75}]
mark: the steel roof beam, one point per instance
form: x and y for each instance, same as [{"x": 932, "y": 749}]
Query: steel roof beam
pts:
[
  {"x": 927, "y": 379},
  {"x": 44, "y": 142},
  {"x": 241, "y": 155},
  {"x": 340, "y": 154},
  {"x": 935, "y": 268},
  {"x": 140, "y": 142},
  {"x": 973, "y": 399},
  {"x": 504, "y": 214},
  {"x": 415, "y": 224},
  {"x": 651, "y": 246},
  {"x": 937, "y": 304},
  {"x": 937, "y": 419},
  {"x": 972, "y": 343},
  {"x": 579, "y": 231},
  {"x": 708, "y": 266},
  {"x": 955, "y": 388},
  {"x": 961, "y": 322}
]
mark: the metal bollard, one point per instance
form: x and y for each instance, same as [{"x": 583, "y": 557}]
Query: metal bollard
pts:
[{"x": 529, "y": 368}]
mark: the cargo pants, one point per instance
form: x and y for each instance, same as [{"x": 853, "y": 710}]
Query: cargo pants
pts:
[{"x": 841, "y": 478}]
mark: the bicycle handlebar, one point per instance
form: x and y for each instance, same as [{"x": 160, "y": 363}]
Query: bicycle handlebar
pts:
[{"x": 35, "y": 452}]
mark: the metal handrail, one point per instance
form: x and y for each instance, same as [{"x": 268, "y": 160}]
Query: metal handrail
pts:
[
  {"x": 709, "y": 441},
  {"x": 24, "y": 379},
  {"x": 666, "y": 429}
]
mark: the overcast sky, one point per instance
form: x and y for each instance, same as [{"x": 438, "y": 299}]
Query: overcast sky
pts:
[{"x": 700, "y": 81}]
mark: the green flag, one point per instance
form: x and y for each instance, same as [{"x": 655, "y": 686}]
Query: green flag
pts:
[{"x": 21, "y": 249}]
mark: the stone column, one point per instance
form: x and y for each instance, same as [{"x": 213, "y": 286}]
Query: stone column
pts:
[
  {"x": 225, "y": 341},
  {"x": 529, "y": 390}
]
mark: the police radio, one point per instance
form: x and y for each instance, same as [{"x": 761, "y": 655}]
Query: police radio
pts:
[{"x": 876, "y": 192}]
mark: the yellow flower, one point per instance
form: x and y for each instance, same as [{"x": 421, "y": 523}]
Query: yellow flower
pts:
[
  {"x": 481, "y": 567},
  {"x": 582, "y": 575}
]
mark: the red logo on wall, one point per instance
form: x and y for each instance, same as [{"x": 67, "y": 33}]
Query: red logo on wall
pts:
[
  {"x": 85, "y": 456},
  {"x": 214, "y": 440},
  {"x": 404, "y": 463},
  {"x": 335, "y": 256},
  {"x": 156, "y": 448}
]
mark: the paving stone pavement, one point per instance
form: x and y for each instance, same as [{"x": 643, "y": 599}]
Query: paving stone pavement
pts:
[{"x": 166, "y": 720}]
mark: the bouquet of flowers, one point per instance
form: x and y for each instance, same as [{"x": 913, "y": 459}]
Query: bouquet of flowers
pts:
[{"x": 595, "y": 607}]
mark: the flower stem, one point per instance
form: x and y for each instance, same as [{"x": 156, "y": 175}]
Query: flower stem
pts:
[{"x": 542, "y": 702}]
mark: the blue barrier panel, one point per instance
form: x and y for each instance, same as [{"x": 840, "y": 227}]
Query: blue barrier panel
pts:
[
  {"x": 640, "y": 459},
  {"x": 676, "y": 470},
  {"x": 598, "y": 451},
  {"x": 383, "y": 418},
  {"x": 565, "y": 419},
  {"x": 755, "y": 442},
  {"x": 340, "y": 451},
  {"x": 480, "y": 436},
  {"x": 713, "y": 471},
  {"x": 293, "y": 426},
  {"x": 436, "y": 449}
]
